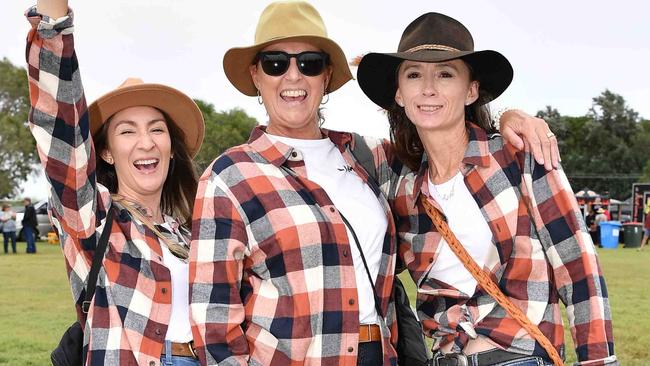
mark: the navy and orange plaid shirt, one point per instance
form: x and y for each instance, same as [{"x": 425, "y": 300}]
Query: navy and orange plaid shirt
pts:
[
  {"x": 271, "y": 274},
  {"x": 543, "y": 255}
]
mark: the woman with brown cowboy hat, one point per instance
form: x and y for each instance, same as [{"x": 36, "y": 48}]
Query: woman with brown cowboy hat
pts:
[
  {"x": 128, "y": 156},
  {"x": 276, "y": 272},
  {"x": 510, "y": 221}
]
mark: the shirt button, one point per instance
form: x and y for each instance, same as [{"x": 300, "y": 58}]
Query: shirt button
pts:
[
  {"x": 157, "y": 331},
  {"x": 294, "y": 154},
  {"x": 152, "y": 363},
  {"x": 431, "y": 260},
  {"x": 164, "y": 290},
  {"x": 350, "y": 349},
  {"x": 345, "y": 253},
  {"x": 160, "y": 259},
  {"x": 351, "y": 301},
  {"x": 332, "y": 209}
]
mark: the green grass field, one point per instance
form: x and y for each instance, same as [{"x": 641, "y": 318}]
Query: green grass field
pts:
[{"x": 36, "y": 305}]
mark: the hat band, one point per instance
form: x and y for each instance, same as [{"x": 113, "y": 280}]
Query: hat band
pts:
[{"x": 435, "y": 47}]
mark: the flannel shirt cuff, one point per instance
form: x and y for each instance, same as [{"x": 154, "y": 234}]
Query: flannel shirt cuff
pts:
[
  {"x": 607, "y": 361},
  {"x": 48, "y": 27}
]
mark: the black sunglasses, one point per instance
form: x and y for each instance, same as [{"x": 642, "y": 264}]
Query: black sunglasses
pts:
[{"x": 276, "y": 63}]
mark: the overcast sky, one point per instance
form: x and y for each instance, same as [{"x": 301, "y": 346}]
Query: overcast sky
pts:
[{"x": 564, "y": 53}]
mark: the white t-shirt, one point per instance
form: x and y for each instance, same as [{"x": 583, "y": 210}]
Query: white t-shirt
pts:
[
  {"x": 468, "y": 224},
  {"x": 355, "y": 200},
  {"x": 179, "y": 329}
]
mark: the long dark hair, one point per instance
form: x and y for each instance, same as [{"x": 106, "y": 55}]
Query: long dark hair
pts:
[
  {"x": 179, "y": 189},
  {"x": 404, "y": 135}
]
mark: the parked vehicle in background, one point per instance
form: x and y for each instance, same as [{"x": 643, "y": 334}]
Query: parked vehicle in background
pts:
[{"x": 44, "y": 225}]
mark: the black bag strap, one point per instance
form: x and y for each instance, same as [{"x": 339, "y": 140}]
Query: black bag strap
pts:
[
  {"x": 98, "y": 257},
  {"x": 365, "y": 264}
]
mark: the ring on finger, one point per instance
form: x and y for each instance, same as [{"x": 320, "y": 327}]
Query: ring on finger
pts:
[{"x": 550, "y": 134}]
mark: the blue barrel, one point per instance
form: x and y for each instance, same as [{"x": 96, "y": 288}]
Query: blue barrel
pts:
[{"x": 609, "y": 231}]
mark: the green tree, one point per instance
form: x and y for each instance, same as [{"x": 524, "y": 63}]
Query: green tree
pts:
[
  {"x": 17, "y": 147},
  {"x": 604, "y": 150},
  {"x": 222, "y": 131}
]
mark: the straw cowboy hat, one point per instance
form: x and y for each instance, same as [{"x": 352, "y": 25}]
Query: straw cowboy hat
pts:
[
  {"x": 294, "y": 21},
  {"x": 133, "y": 92},
  {"x": 433, "y": 37}
]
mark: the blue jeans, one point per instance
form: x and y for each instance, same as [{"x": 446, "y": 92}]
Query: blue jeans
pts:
[
  {"x": 28, "y": 232},
  {"x": 370, "y": 354},
  {"x": 168, "y": 360},
  {"x": 10, "y": 235}
]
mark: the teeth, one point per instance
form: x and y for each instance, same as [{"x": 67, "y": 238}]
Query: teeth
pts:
[
  {"x": 145, "y": 162},
  {"x": 293, "y": 93},
  {"x": 429, "y": 108}
]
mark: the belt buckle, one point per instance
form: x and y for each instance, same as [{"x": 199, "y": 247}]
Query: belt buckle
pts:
[
  {"x": 461, "y": 359},
  {"x": 190, "y": 344}
]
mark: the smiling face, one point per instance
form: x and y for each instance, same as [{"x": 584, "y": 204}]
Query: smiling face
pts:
[
  {"x": 139, "y": 147},
  {"x": 291, "y": 99},
  {"x": 434, "y": 95}
]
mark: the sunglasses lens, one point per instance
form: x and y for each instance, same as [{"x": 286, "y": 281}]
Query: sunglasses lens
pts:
[
  {"x": 274, "y": 64},
  {"x": 311, "y": 63}
]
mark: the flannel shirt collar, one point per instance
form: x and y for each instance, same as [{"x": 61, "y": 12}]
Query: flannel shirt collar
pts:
[
  {"x": 278, "y": 153},
  {"x": 476, "y": 154}
]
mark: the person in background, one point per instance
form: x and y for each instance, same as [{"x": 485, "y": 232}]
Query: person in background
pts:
[
  {"x": 8, "y": 224},
  {"x": 519, "y": 222},
  {"x": 599, "y": 218},
  {"x": 30, "y": 225},
  {"x": 644, "y": 240}
]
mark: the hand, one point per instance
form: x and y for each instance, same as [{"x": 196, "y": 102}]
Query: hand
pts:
[
  {"x": 54, "y": 9},
  {"x": 520, "y": 129}
]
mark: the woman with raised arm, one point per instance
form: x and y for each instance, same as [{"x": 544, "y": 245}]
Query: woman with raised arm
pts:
[{"x": 129, "y": 152}]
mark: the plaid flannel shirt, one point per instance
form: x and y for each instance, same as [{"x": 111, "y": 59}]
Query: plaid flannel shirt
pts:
[
  {"x": 543, "y": 254},
  {"x": 130, "y": 312},
  {"x": 271, "y": 274}
]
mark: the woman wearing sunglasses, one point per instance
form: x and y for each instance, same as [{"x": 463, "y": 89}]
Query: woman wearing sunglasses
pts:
[
  {"x": 129, "y": 155},
  {"x": 276, "y": 274}
]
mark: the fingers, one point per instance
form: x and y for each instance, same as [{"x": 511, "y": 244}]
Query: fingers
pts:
[{"x": 513, "y": 138}]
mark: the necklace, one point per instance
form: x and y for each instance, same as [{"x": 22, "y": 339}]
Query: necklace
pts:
[{"x": 446, "y": 196}]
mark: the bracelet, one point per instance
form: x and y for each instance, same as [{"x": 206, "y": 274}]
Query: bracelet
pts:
[{"x": 496, "y": 118}]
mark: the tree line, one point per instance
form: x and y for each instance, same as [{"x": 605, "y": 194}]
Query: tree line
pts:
[{"x": 605, "y": 150}]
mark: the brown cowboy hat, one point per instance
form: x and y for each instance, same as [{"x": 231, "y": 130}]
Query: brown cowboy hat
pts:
[
  {"x": 133, "y": 92},
  {"x": 295, "y": 21},
  {"x": 433, "y": 37}
]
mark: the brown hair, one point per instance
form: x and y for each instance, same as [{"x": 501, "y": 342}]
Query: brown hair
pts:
[
  {"x": 404, "y": 135},
  {"x": 179, "y": 189}
]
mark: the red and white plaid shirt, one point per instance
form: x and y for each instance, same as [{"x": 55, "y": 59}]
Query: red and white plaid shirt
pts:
[
  {"x": 271, "y": 272},
  {"x": 545, "y": 255}
]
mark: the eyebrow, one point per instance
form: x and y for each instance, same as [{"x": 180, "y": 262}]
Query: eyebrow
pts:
[{"x": 129, "y": 122}]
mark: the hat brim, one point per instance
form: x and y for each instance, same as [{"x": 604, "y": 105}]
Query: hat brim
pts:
[
  {"x": 377, "y": 72},
  {"x": 236, "y": 62},
  {"x": 180, "y": 108}
]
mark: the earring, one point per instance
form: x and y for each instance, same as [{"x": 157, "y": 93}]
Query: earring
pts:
[
  {"x": 109, "y": 160},
  {"x": 259, "y": 97},
  {"x": 326, "y": 100}
]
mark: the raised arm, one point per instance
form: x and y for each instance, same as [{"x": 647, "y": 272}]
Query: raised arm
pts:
[{"x": 59, "y": 119}]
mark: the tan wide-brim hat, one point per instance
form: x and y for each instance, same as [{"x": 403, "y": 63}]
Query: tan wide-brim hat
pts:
[
  {"x": 291, "y": 21},
  {"x": 180, "y": 108}
]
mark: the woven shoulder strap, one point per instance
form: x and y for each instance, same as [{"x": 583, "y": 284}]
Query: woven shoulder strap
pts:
[{"x": 487, "y": 284}]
